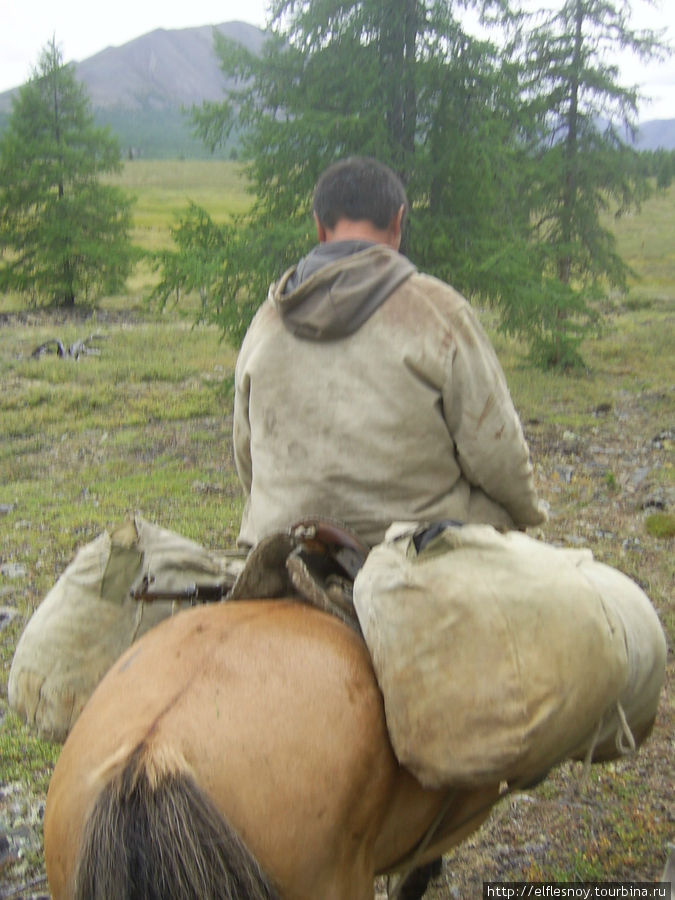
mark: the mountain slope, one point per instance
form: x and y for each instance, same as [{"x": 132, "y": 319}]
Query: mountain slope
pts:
[
  {"x": 141, "y": 89},
  {"x": 162, "y": 69},
  {"x": 656, "y": 134}
]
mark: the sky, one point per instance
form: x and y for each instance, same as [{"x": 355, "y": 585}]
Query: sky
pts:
[{"x": 83, "y": 28}]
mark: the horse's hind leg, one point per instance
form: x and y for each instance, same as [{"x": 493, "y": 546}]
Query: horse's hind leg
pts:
[
  {"x": 418, "y": 881},
  {"x": 352, "y": 885},
  {"x": 341, "y": 869}
]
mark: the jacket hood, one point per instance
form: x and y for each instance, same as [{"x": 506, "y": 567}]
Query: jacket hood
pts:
[{"x": 332, "y": 291}]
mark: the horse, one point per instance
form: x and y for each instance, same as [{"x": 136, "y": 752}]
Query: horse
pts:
[{"x": 240, "y": 750}]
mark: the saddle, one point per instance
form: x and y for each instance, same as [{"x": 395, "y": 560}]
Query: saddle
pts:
[{"x": 315, "y": 561}]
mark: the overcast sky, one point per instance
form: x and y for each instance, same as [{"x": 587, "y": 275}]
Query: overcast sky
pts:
[{"x": 83, "y": 28}]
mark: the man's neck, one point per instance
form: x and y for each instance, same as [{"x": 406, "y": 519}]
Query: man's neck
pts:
[{"x": 360, "y": 230}]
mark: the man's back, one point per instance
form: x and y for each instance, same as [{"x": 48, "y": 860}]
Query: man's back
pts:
[{"x": 369, "y": 411}]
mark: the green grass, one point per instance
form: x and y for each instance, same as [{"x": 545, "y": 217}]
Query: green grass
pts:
[
  {"x": 623, "y": 845},
  {"x": 114, "y": 433},
  {"x": 164, "y": 189},
  {"x": 661, "y": 525},
  {"x": 634, "y": 339},
  {"x": 644, "y": 240},
  {"x": 135, "y": 369},
  {"x": 22, "y": 756}
]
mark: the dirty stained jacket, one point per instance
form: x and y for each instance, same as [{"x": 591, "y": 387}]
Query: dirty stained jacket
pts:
[{"x": 367, "y": 393}]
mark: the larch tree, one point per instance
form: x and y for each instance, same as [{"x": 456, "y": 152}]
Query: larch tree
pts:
[
  {"x": 584, "y": 166},
  {"x": 63, "y": 234}
]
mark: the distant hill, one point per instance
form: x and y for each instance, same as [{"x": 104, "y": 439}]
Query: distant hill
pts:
[
  {"x": 141, "y": 88},
  {"x": 656, "y": 134},
  {"x": 162, "y": 69}
]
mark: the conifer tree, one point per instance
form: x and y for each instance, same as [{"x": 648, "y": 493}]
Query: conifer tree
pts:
[
  {"x": 64, "y": 234},
  {"x": 584, "y": 119}
]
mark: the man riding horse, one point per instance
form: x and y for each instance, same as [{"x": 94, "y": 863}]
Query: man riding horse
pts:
[
  {"x": 243, "y": 748},
  {"x": 367, "y": 392}
]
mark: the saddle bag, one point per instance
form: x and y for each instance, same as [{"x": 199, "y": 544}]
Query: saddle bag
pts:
[
  {"x": 90, "y": 617},
  {"x": 499, "y": 656}
]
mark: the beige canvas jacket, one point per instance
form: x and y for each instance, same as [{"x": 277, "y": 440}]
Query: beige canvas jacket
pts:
[{"x": 368, "y": 393}]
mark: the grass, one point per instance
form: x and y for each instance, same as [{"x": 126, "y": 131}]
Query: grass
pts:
[
  {"x": 626, "y": 358},
  {"x": 645, "y": 242},
  {"x": 20, "y": 758},
  {"x": 85, "y": 443},
  {"x": 164, "y": 189},
  {"x": 661, "y": 525},
  {"x": 145, "y": 426}
]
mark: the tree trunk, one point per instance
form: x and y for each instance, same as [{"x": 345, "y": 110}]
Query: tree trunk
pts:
[
  {"x": 398, "y": 43},
  {"x": 569, "y": 197}
]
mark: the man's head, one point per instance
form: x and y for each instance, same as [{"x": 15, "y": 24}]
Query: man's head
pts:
[{"x": 360, "y": 196}]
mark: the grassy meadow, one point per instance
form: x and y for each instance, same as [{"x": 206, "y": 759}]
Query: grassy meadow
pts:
[
  {"x": 163, "y": 188},
  {"x": 143, "y": 425}
]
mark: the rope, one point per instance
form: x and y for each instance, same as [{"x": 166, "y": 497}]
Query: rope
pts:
[
  {"x": 588, "y": 759},
  {"x": 625, "y": 743},
  {"x": 518, "y": 785},
  {"x": 624, "y": 732}
]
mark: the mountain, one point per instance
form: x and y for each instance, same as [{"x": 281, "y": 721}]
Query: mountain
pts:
[
  {"x": 656, "y": 134},
  {"x": 141, "y": 88},
  {"x": 162, "y": 69}
]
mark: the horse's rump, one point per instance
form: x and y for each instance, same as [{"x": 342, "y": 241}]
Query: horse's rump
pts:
[{"x": 273, "y": 710}]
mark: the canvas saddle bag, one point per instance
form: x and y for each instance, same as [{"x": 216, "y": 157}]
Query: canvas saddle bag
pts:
[
  {"x": 499, "y": 655},
  {"x": 116, "y": 588}
]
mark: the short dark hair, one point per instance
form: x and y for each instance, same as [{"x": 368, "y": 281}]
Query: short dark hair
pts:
[{"x": 359, "y": 188}]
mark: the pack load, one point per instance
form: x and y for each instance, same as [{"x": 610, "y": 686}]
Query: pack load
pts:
[
  {"x": 90, "y": 617},
  {"x": 499, "y": 655}
]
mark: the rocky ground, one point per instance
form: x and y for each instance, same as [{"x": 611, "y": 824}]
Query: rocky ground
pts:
[{"x": 602, "y": 485}]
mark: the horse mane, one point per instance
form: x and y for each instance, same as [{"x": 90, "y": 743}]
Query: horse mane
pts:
[{"x": 162, "y": 838}]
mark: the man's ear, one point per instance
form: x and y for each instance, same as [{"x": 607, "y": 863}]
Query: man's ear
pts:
[
  {"x": 320, "y": 230},
  {"x": 397, "y": 221},
  {"x": 395, "y": 228}
]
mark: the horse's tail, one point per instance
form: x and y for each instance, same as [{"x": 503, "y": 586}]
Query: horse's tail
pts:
[{"x": 160, "y": 837}]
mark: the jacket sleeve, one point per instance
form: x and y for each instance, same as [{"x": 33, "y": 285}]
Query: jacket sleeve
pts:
[{"x": 491, "y": 448}]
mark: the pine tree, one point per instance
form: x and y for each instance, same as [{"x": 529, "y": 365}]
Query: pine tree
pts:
[{"x": 64, "y": 234}]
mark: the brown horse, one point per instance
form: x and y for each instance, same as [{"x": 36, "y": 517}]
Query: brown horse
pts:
[{"x": 240, "y": 750}]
